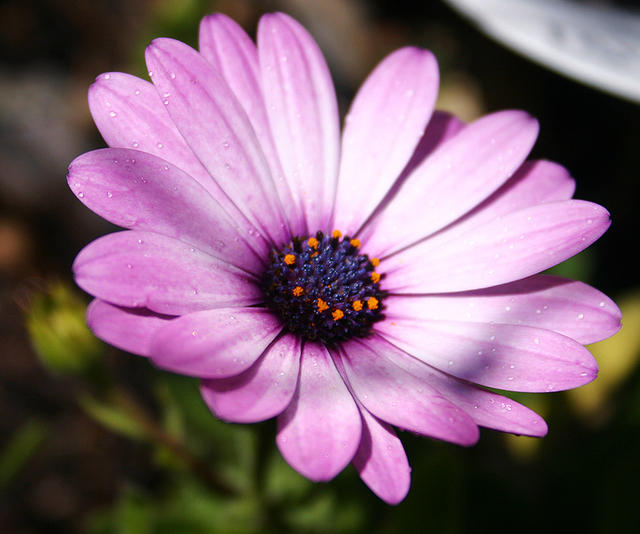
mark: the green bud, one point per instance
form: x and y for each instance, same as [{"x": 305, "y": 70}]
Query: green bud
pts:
[{"x": 58, "y": 330}]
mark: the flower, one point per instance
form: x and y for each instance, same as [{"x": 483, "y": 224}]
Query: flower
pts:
[{"x": 345, "y": 284}]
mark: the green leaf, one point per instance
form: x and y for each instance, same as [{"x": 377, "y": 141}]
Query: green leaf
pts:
[
  {"x": 114, "y": 417},
  {"x": 20, "y": 448}
]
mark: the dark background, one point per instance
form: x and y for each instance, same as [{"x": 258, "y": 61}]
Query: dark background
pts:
[{"x": 71, "y": 474}]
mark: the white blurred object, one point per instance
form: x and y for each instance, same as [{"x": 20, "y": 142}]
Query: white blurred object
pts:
[{"x": 597, "y": 44}]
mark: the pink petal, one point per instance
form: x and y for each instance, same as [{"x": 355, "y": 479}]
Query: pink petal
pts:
[
  {"x": 302, "y": 109},
  {"x": 502, "y": 250},
  {"x": 517, "y": 358},
  {"x": 128, "y": 329},
  {"x": 215, "y": 343},
  {"x": 535, "y": 182},
  {"x": 130, "y": 114},
  {"x": 142, "y": 269},
  {"x": 218, "y": 130},
  {"x": 262, "y": 391},
  {"x": 319, "y": 432},
  {"x": 139, "y": 191},
  {"x": 485, "y": 408},
  {"x": 454, "y": 179},
  {"x": 570, "y": 308},
  {"x": 385, "y": 123},
  {"x": 381, "y": 460},
  {"x": 234, "y": 55},
  {"x": 400, "y": 399},
  {"x": 442, "y": 126}
]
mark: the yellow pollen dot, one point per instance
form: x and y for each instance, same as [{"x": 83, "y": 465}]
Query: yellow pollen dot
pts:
[
  {"x": 322, "y": 305},
  {"x": 375, "y": 277},
  {"x": 357, "y": 305},
  {"x": 312, "y": 242},
  {"x": 289, "y": 259},
  {"x": 355, "y": 243},
  {"x": 336, "y": 234},
  {"x": 297, "y": 291},
  {"x": 372, "y": 303},
  {"x": 375, "y": 262},
  {"x": 337, "y": 315},
  {"x": 315, "y": 254}
]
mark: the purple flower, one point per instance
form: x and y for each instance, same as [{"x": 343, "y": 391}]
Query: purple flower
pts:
[{"x": 347, "y": 284}]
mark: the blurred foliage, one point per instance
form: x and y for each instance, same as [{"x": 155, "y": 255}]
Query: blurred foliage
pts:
[
  {"x": 58, "y": 330},
  {"x": 20, "y": 448}
]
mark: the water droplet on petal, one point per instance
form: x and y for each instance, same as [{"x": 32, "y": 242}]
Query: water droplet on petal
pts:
[{"x": 113, "y": 114}]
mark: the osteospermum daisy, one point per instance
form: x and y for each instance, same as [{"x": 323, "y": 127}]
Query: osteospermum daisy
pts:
[{"x": 345, "y": 284}]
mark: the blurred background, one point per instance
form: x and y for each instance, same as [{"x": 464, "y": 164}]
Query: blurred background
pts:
[{"x": 95, "y": 440}]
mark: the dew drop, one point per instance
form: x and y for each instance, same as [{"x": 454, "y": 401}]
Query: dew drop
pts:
[
  {"x": 159, "y": 145},
  {"x": 172, "y": 75},
  {"x": 113, "y": 114},
  {"x": 601, "y": 304},
  {"x": 165, "y": 102},
  {"x": 450, "y": 363},
  {"x": 150, "y": 74},
  {"x": 107, "y": 76},
  {"x": 140, "y": 241},
  {"x": 584, "y": 373},
  {"x": 580, "y": 316},
  {"x": 137, "y": 92},
  {"x": 80, "y": 194},
  {"x": 109, "y": 194},
  {"x": 135, "y": 144}
]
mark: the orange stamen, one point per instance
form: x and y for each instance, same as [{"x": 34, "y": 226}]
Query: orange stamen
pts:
[
  {"x": 357, "y": 305},
  {"x": 322, "y": 305},
  {"x": 336, "y": 234},
  {"x": 375, "y": 277},
  {"x": 312, "y": 242},
  {"x": 289, "y": 259},
  {"x": 372, "y": 303},
  {"x": 375, "y": 262},
  {"x": 337, "y": 315},
  {"x": 297, "y": 291},
  {"x": 355, "y": 243}
]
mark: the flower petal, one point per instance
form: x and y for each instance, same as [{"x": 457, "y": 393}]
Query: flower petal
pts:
[
  {"x": 400, "y": 399},
  {"x": 142, "y": 192},
  {"x": 454, "y": 179},
  {"x": 502, "y": 250},
  {"x": 319, "y": 432},
  {"x": 142, "y": 269},
  {"x": 565, "y": 306},
  {"x": 381, "y": 460},
  {"x": 484, "y": 407},
  {"x": 130, "y": 114},
  {"x": 516, "y": 358},
  {"x": 303, "y": 114},
  {"x": 386, "y": 120},
  {"x": 442, "y": 126},
  {"x": 234, "y": 55},
  {"x": 214, "y": 343},
  {"x": 535, "y": 182},
  {"x": 126, "y": 328},
  {"x": 217, "y": 129},
  {"x": 262, "y": 391}
]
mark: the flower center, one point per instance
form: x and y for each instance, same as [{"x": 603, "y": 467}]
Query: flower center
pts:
[{"x": 323, "y": 289}]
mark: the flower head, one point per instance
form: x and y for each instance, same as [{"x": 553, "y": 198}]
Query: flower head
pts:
[{"x": 347, "y": 284}]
